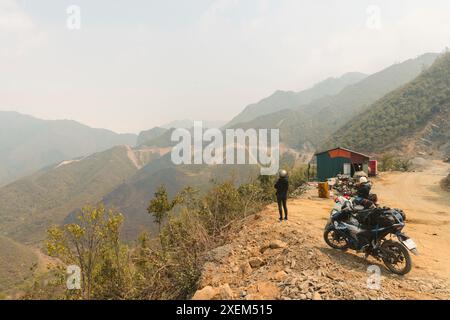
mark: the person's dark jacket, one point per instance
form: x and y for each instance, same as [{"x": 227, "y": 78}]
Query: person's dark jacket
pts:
[
  {"x": 282, "y": 187},
  {"x": 363, "y": 190}
]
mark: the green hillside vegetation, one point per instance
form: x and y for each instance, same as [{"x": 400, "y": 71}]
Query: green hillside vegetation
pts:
[
  {"x": 161, "y": 140},
  {"x": 315, "y": 122},
  {"x": 404, "y": 113},
  {"x": 17, "y": 263},
  {"x": 165, "y": 267},
  {"x": 28, "y": 144},
  {"x": 30, "y": 205},
  {"x": 281, "y": 100},
  {"x": 131, "y": 197},
  {"x": 149, "y": 135}
]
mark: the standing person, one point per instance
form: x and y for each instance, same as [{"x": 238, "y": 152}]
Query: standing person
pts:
[{"x": 282, "y": 187}]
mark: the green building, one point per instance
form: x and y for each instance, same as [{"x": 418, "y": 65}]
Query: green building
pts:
[{"x": 337, "y": 161}]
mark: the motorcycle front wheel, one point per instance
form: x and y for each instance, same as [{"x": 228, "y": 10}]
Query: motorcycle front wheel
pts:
[
  {"x": 335, "y": 239},
  {"x": 396, "y": 257}
]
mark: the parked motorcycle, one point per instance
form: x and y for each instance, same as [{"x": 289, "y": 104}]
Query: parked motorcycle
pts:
[{"x": 370, "y": 231}]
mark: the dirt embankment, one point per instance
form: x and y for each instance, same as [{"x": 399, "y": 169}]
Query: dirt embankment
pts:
[{"x": 289, "y": 260}]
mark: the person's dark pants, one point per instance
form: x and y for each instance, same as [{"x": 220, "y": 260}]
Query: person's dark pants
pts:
[{"x": 282, "y": 204}]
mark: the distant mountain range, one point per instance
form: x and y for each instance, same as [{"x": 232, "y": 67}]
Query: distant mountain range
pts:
[
  {"x": 188, "y": 123},
  {"x": 145, "y": 137},
  {"x": 315, "y": 122},
  {"x": 282, "y": 100},
  {"x": 28, "y": 144},
  {"x": 308, "y": 118},
  {"x": 415, "y": 116},
  {"x": 160, "y": 136}
]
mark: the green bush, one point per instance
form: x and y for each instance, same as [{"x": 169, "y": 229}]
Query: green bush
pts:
[
  {"x": 389, "y": 162},
  {"x": 298, "y": 177}
]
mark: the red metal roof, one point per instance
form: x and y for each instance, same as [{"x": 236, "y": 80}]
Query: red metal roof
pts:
[{"x": 345, "y": 150}]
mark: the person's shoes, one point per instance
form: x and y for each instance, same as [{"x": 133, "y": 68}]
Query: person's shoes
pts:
[
  {"x": 281, "y": 219},
  {"x": 286, "y": 218}
]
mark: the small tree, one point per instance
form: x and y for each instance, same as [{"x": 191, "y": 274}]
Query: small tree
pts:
[
  {"x": 251, "y": 195},
  {"x": 267, "y": 186},
  {"x": 386, "y": 162},
  {"x": 222, "y": 205},
  {"x": 88, "y": 244},
  {"x": 160, "y": 206}
]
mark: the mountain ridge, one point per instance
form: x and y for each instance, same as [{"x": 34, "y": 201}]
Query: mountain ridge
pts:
[
  {"x": 28, "y": 144},
  {"x": 30, "y": 205},
  {"x": 280, "y": 100},
  {"x": 417, "y": 111},
  {"x": 315, "y": 122}
]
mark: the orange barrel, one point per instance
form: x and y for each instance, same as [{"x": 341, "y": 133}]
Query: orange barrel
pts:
[{"x": 324, "y": 190}]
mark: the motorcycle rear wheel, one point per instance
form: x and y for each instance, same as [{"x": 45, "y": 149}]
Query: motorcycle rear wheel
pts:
[
  {"x": 398, "y": 259},
  {"x": 335, "y": 240}
]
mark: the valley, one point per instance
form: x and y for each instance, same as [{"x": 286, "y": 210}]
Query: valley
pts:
[{"x": 51, "y": 169}]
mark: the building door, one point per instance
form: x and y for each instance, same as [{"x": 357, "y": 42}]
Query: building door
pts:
[{"x": 347, "y": 169}]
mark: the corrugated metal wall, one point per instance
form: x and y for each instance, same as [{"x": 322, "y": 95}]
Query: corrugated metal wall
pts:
[{"x": 329, "y": 168}]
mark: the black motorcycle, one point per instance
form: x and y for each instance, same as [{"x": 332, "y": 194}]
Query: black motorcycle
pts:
[{"x": 367, "y": 231}]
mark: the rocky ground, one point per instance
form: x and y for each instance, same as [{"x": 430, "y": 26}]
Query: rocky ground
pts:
[{"x": 267, "y": 259}]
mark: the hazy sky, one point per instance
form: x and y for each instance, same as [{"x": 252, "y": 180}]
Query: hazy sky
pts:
[{"x": 135, "y": 64}]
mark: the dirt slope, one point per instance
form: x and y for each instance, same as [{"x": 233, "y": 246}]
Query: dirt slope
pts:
[{"x": 270, "y": 260}]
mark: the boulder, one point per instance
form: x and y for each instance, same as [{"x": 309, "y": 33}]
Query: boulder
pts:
[
  {"x": 277, "y": 244},
  {"x": 246, "y": 269},
  {"x": 317, "y": 296},
  {"x": 225, "y": 292},
  {"x": 256, "y": 262},
  {"x": 207, "y": 293},
  {"x": 267, "y": 291},
  {"x": 280, "y": 276},
  {"x": 264, "y": 248}
]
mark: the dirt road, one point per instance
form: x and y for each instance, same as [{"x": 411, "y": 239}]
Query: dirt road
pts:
[
  {"x": 427, "y": 209},
  {"x": 305, "y": 267},
  {"x": 426, "y": 206}
]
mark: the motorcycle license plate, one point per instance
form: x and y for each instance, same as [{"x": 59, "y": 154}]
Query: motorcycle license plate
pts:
[{"x": 410, "y": 244}]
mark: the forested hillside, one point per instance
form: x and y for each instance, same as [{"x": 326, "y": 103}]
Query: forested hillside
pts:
[
  {"x": 149, "y": 135},
  {"x": 315, "y": 122},
  {"x": 30, "y": 205},
  {"x": 417, "y": 113},
  {"x": 281, "y": 100}
]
